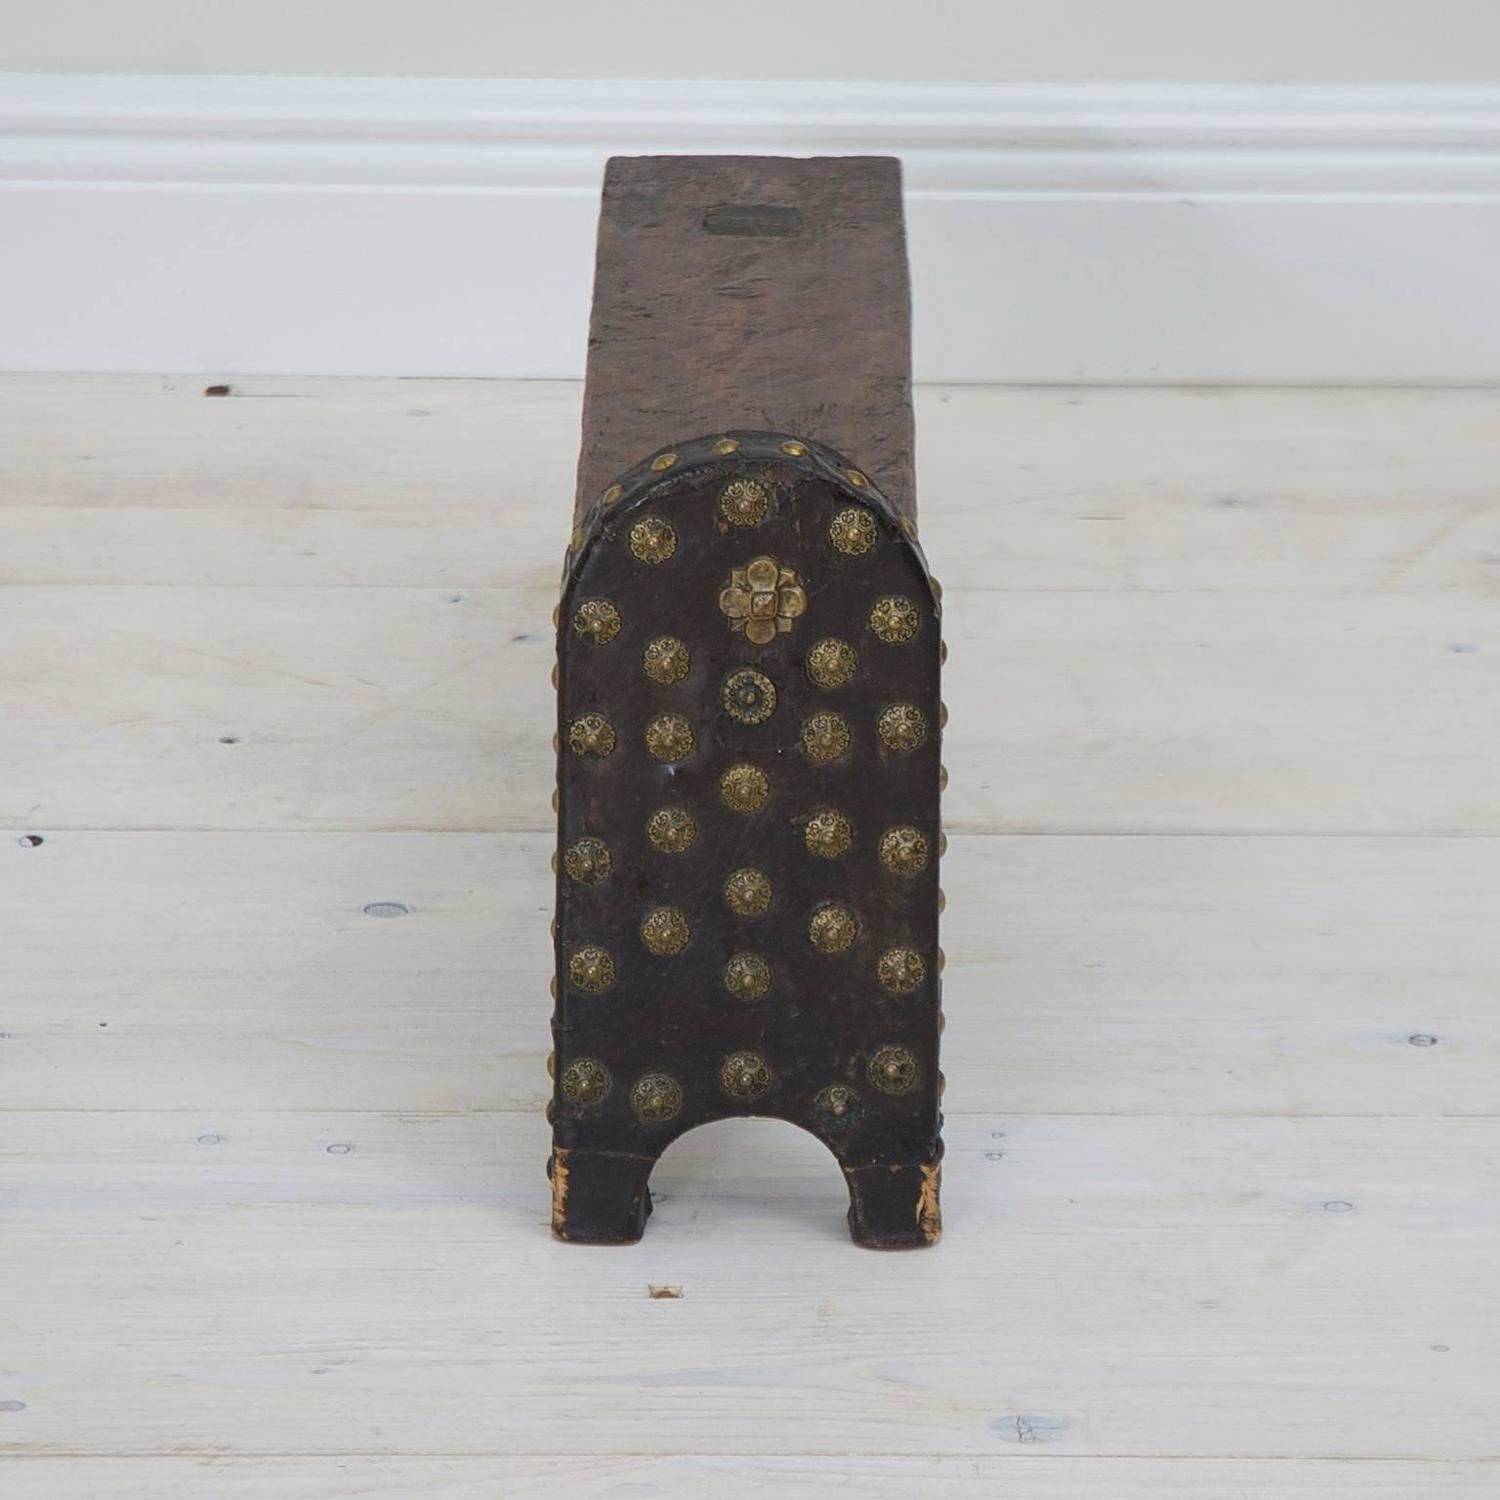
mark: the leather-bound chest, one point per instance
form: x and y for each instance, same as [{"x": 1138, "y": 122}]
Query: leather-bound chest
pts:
[{"x": 749, "y": 726}]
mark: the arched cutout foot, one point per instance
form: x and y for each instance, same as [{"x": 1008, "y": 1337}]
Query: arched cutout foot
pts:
[
  {"x": 895, "y": 1205},
  {"x": 599, "y": 1197}
]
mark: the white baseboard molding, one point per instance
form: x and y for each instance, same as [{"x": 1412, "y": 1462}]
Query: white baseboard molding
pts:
[{"x": 445, "y": 227}]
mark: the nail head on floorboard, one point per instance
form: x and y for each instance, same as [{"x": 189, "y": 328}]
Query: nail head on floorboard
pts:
[
  {"x": 229, "y": 739},
  {"x": 663, "y": 1293},
  {"x": 1422, "y": 1039},
  {"x": 217, "y": 390},
  {"x": 339, "y": 1148},
  {"x": 1338, "y": 1206},
  {"x": 31, "y": 840},
  {"x": 210, "y": 1140},
  {"x": 12, "y": 1406},
  {"x": 387, "y": 909}
]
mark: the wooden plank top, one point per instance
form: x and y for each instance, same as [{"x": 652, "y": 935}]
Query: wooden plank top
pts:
[{"x": 750, "y": 292}]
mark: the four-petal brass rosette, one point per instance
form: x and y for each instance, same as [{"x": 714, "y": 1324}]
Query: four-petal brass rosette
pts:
[{"x": 762, "y": 598}]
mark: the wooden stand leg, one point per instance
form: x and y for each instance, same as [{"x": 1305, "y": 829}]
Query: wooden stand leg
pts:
[
  {"x": 599, "y": 1197},
  {"x": 895, "y": 1206}
]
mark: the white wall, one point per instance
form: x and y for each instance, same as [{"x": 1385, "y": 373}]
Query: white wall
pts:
[{"x": 1054, "y": 41}]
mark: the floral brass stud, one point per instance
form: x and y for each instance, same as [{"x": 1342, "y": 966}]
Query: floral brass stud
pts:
[
  {"x": 893, "y": 1070},
  {"x": 652, "y": 540},
  {"x": 903, "y": 850},
  {"x": 837, "y": 1107},
  {"x": 656, "y": 1098},
  {"x": 762, "y": 598},
  {"x": 902, "y": 727},
  {"x": 901, "y": 970},
  {"x": 833, "y": 928},
  {"x": 747, "y": 976},
  {"x": 827, "y": 834},
  {"x": 894, "y": 619},
  {"x": 587, "y": 861},
  {"x": 745, "y": 1076},
  {"x": 744, "y": 788},
  {"x": 825, "y": 736},
  {"x": 596, "y": 620},
  {"x": 748, "y": 696},
  {"x": 591, "y": 969},
  {"x": 747, "y": 893},
  {"x": 591, "y": 734},
  {"x": 585, "y": 1082},
  {"x": 666, "y": 660},
  {"x": 744, "y": 502},
  {"x": 831, "y": 663},
  {"x": 669, "y": 737},
  {"x": 852, "y": 531},
  {"x": 671, "y": 830},
  {"x": 665, "y": 931}
]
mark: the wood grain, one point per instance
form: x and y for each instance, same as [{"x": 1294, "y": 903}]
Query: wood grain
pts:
[
  {"x": 765, "y": 293},
  {"x": 1231, "y": 652},
  {"x": 744, "y": 1477},
  {"x": 1085, "y": 975},
  {"x": 1157, "y": 1285}
]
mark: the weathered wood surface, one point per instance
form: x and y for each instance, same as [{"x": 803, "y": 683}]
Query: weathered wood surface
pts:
[
  {"x": 1188, "y": 976},
  {"x": 1192, "y": 1042},
  {"x": 765, "y": 293},
  {"x": 1130, "y": 1287}
]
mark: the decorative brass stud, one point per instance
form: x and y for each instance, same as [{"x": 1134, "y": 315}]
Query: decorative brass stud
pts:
[
  {"x": 591, "y": 734},
  {"x": 585, "y": 1081},
  {"x": 747, "y": 976},
  {"x": 552, "y": 1065},
  {"x": 552, "y": 676},
  {"x": 656, "y": 1098},
  {"x": 576, "y": 540},
  {"x": 894, "y": 619},
  {"x": 662, "y": 462},
  {"x": 744, "y": 502},
  {"x": 853, "y": 531},
  {"x": 588, "y": 861},
  {"x": 671, "y": 829},
  {"x": 591, "y": 969},
  {"x": 761, "y": 599},
  {"x": 909, "y": 528},
  {"x": 669, "y": 737},
  {"x": 904, "y": 850},
  {"x": 747, "y": 893},
  {"x": 652, "y": 540},
  {"x": 902, "y": 727},
  {"x": 596, "y": 620},
  {"x": 831, "y": 663},
  {"x": 827, "y": 834},
  {"x": 942, "y": 778},
  {"x": 901, "y": 970},
  {"x": 942, "y": 844},
  {"x": 942, "y": 901},
  {"x": 833, "y": 928},
  {"x": 793, "y": 449},
  {"x": 665, "y": 931},
  {"x": 855, "y": 478},
  {"x": 893, "y": 1070},
  {"x": 825, "y": 736},
  {"x": 727, "y": 446},
  {"x": 744, "y": 788},
  {"x": 748, "y": 696},
  {"x": 666, "y": 660},
  {"x": 837, "y": 1107},
  {"x": 744, "y": 1076},
  {"x": 612, "y": 494}
]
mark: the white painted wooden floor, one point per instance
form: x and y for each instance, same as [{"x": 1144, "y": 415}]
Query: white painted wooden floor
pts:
[{"x": 1223, "y": 1178}]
